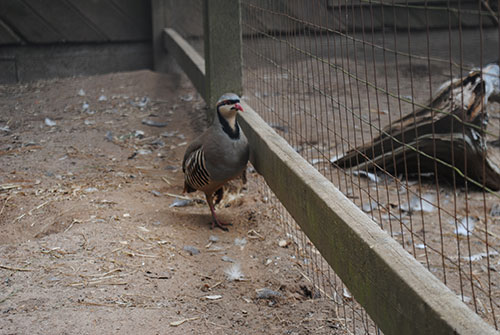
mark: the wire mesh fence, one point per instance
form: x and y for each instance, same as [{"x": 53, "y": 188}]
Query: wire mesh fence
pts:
[
  {"x": 396, "y": 103},
  {"x": 350, "y": 317}
]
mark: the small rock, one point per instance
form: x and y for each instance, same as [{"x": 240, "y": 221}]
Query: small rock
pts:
[
  {"x": 213, "y": 239},
  {"x": 187, "y": 97},
  {"x": 267, "y": 293},
  {"x": 240, "y": 241},
  {"x": 144, "y": 152},
  {"x": 102, "y": 98},
  {"x": 212, "y": 297},
  {"x": 373, "y": 177},
  {"x": 158, "y": 142},
  {"x": 416, "y": 204},
  {"x": 192, "y": 250},
  {"x": 152, "y": 123},
  {"x": 367, "y": 207},
  {"x": 465, "y": 227},
  {"x": 279, "y": 127},
  {"x": 142, "y": 103},
  {"x": 227, "y": 259},
  {"x": 156, "y": 193},
  {"x": 168, "y": 133},
  {"x": 495, "y": 210},
  {"x": 139, "y": 134},
  {"x": 81, "y": 92},
  {"x": 283, "y": 243},
  {"x": 109, "y": 136},
  {"x": 49, "y": 122},
  {"x": 181, "y": 203}
]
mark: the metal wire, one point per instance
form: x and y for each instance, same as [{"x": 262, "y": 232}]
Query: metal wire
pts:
[{"x": 330, "y": 76}]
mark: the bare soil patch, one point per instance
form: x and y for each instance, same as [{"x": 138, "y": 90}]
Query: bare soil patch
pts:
[{"x": 88, "y": 241}]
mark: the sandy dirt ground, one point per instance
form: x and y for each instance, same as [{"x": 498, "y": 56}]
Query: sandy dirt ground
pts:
[{"x": 90, "y": 242}]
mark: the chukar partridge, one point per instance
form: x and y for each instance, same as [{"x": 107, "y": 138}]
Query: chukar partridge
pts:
[{"x": 218, "y": 155}]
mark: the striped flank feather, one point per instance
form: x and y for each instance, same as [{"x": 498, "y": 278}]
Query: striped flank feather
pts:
[{"x": 196, "y": 174}]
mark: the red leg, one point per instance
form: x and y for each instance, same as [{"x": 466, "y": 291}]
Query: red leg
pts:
[{"x": 216, "y": 221}]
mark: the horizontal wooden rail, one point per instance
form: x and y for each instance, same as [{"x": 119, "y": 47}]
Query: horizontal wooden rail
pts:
[
  {"x": 399, "y": 294},
  {"x": 187, "y": 58}
]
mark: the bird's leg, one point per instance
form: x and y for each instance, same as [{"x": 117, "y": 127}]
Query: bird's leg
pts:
[{"x": 215, "y": 221}]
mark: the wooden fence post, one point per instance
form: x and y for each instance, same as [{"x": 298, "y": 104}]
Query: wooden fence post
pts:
[
  {"x": 159, "y": 22},
  {"x": 223, "y": 58}
]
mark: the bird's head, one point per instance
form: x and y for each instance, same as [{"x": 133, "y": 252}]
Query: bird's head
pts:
[{"x": 228, "y": 105}]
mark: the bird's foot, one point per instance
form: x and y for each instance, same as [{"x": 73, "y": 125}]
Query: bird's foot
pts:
[{"x": 220, "y": 224}]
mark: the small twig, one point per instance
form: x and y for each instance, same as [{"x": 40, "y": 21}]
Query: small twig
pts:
[
  {"x": 14, "y": 268},
  {"x": 97, "y": 282},
  {"x": 252, "y": 232},
  {"x": 165, "y": 180},
  {"x": 72, "y": 223},
  {"x": 493, "y": 14},
  {"x": 18, "y": 218},
  {"x": 180, "y": 322},
  {"x": 178, "y": 196},
  {"x": 84, "y": 241},
  {"x": 488, "y": 232},
  {"x": 89, "y": 303},
  {"x": 132, "y": 254},
  {"x": 6, "y": 187},
  {"x": 319, "y": 288},
  {"x": 141, "y": 238},
  {"x": 217, "y": 325},
  {"x": 113, "y": 251},
  {"x": 215, "y": 285},
  {"x": 145, "y": 139},
  {"x": 38, "y": 207},
  {"x": 104, "y": 274},
  {"x": 4, "y": 204},
  {"x": 30, "y": 212},
  {"x": 217, "y": 250},
  {"x": 11, "y": 151},
  {"x": 100, "y": 279},
  {"x": 9, "y": 295}
]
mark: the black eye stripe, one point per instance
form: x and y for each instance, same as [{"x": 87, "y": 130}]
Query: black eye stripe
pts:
[{"x": 229, "y": 102}]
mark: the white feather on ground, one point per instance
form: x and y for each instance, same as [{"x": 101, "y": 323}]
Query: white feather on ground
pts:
[{"x": 234, "y": 272}]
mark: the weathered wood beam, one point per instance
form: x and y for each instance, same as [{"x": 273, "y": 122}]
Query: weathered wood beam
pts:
[
  {"x": 159, "y": 23},
  {"x": 222, "y": 42}
]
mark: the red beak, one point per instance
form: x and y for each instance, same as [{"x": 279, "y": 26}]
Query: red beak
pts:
[{"x": 238, "y": 107}]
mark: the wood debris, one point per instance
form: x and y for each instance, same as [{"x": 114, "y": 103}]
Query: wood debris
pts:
[
  {"x": 455, "y": 121},
  {"x": 180, "y": 322}
]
